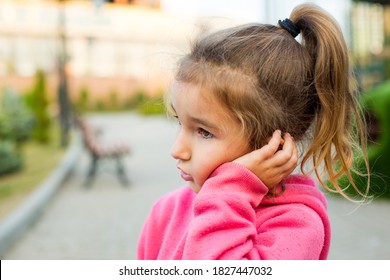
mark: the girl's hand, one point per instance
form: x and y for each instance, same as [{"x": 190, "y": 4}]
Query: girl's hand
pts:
[{"x": 274, "y": 161}]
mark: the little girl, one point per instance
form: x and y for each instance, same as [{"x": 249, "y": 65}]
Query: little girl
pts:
[{"x": 233, "y": 95}]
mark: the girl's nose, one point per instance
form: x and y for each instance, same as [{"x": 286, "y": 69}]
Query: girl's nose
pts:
[{"x": 180, "y": 149}]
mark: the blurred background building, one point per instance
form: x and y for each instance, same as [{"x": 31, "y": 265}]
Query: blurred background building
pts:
[{"x": 122, "y": 45}]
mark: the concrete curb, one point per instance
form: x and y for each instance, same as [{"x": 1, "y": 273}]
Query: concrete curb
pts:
[{"x": 16, "y": 223}]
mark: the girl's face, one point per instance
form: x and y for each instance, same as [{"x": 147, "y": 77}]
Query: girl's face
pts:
[{"x": 208, "y": 136}]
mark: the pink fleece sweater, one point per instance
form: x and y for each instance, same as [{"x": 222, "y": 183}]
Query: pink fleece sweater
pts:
[{"x": 232, "y": 218}]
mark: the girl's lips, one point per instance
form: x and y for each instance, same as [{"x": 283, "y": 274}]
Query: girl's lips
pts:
[{"x": 185, "y": 176}]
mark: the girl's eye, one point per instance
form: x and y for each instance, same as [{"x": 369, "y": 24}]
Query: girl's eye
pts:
[{"x": 205, "y": 134}]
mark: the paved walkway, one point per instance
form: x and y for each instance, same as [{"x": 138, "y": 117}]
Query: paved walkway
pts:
[{"x": 103, "y": 222}]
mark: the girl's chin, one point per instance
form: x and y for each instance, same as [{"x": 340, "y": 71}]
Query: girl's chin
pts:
[{"x": 194, "y": 187}]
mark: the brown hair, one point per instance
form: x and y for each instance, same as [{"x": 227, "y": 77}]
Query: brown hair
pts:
[{"x": 270, "y": 81}]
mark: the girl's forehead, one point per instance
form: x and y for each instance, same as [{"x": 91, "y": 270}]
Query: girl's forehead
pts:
[
  {"x": 195, "y": 99},
  {"x": 193, "y": 92},
  {"x": 189, "y": 99},
  {"x": 179, "y": 87}
]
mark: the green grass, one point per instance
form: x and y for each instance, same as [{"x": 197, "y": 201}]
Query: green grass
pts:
[{"x": 39, "y": 161}]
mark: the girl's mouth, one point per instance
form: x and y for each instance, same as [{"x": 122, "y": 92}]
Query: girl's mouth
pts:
[{"x": 185, "y": 176}]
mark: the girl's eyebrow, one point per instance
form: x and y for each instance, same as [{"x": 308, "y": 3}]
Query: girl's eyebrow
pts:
[
  {"x": 199, "y": 121},
  {"x": 204, "y": 123}
]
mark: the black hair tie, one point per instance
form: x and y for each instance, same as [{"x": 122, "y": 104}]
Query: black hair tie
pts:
[{"x": 290, "y": 27}]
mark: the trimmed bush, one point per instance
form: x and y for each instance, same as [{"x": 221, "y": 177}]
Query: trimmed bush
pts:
[
  {"x": 16, "y": 120},
  {"x": 16, "y": 124},
  {"x": 10, "y": 159}
]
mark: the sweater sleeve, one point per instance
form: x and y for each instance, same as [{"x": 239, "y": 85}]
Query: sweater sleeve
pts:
[{"x": 224, "y": 222}]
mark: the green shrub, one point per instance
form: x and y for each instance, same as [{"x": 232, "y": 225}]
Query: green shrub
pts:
[
  {"x": 16, "y": 120},
  {"x": 99, "y": 105},
  {"x": 16, "y": 124},
  {"x": 377, "y": 104},
  {"x": 10, "y": 159},
  {"x": 113, "y": 103},
  {"x": 377, "y": 101},
  {"x": 140, "y": 101},
  {"x": 152, "y": 106},
  {"x": 38, "y": 101},
  {"x": 82, "y": 102},
  {"x": 132, "y": 101}
]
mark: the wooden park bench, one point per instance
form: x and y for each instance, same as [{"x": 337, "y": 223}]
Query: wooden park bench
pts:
[{"x": 99, "y": 151}]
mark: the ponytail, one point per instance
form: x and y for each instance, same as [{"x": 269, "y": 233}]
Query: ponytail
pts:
[{"x": 339, "y": 130}]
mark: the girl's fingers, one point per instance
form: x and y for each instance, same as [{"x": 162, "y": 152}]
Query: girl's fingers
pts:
[
  {"x": 274, "y": 143},
  {"x": 278, "y": 153},
  {"x": 274, "y": 161},
  {"x": 268, "y": 151},
  {"x": 292, "y": 163},
  {"x": 287, "y": 153}
]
